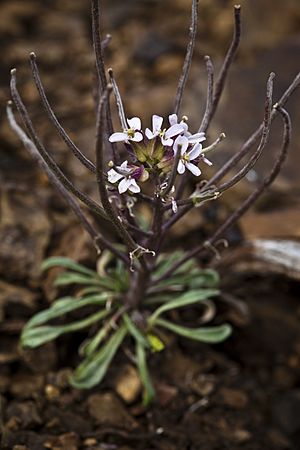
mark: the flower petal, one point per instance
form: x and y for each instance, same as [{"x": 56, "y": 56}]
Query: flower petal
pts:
[
  {"x": 166, "y": 142},
  {"x": 157, "y": 122},
  {"x": 124, "y": 164},
  {"x": 207, "y": 161},
  {"x": 173, "y": 130},
  {"x": 118, "y": 137},
  {"x": 135, "y": 123},
  {"x": 113, "y": 176},
  {"x": 194, "y": 169},
  {"x": 134, "y": 187},
  {"x": 138, "y": 137},
  {"x": 124, "y": 185},
  {"x": 180, "y": 167},
  {"x": 181, "y": 142},
  {"x": 173, "y": 119},
  {"x": 195, "y": 152},
  {"x": 149, "y": 134},
  {"x": 198, "y": 137}
]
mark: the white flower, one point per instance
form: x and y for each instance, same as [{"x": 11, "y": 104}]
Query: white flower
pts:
[
  {"x": 130, "y": 134},
  {"x": 182, "y": 144},
  {"x": 126, "y": 181},
  {"x": 192, "y": 138},
  {"x": 165, "y": 135}
]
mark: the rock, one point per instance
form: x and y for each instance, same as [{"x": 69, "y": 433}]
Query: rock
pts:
[
  {"x": 24, "y": 234},
  {"x": 26, "y": 413},
  {"x": 107, "y": 410},
  {"x": 26, "y": 387},
  {"x": 128, "y": 384},
  {"x": 234, "y": 398},
  {"x": 16, "y": 300},
  {"x": 51, "y": 392},
  {"x": 241, "y": 436},
  {"x": 286, "y": 412},
  {"x": 67, "y": 441}
]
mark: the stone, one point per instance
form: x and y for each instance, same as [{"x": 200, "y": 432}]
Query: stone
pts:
[
  {"x": 128, "y": 384},
  {"x": 107, "y": 410}
]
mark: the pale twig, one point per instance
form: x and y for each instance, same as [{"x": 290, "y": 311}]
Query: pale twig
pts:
[
  {"x": 50, "y": 113},
  {"x": 96, "y": 31},
  {"x": 118, "y": 99},
  {"x": 91, "y": 204},
  {"x": 101, "y": 181},
  {"x": 245, "y": 148},
  {"x": 188, "y": 57},
  {"x": 220, "y": 83},
  {"x": 97, "y": 238},
  {"x": 209, "y": 95},
  {"x": 239, "y": 212},
  {"x": 264, "y": 139}
]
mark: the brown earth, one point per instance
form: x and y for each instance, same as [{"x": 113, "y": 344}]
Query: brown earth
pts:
[{"x": 244, "y": 394}]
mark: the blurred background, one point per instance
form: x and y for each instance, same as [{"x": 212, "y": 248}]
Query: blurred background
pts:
[{"x": 146, "y": 52}]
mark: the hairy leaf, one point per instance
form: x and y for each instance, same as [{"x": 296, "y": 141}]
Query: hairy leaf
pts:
[
  {"x": 34, "y": 337},
  {"x": 211, "y": 335},
  {"x": 93, "y": 369},
  {"x": 186, "y": 299},
  {"x": 149, "y": 392},
  {"x": 64, "y": 306},
  {"x": 68, "y": 264}
]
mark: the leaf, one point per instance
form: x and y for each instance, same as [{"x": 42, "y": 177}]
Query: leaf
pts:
[
  {"x": 211, "y": 335},
  {"x": 135, "y": 332},
  {"x": 89, "y": 346},
  {"x": 156, "y": 344},
  {"x": 149, "y": 392},
  {"x": 183, "y": 300},
  {"x": 66, "y": 278},
  {"x": 93, "y": 369},
  {"x": 34, "y": 337},
  {"x": 64, "y": 306},
  {"x": 68, "y": 264}
]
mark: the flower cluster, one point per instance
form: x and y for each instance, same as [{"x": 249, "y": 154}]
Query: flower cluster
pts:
[{"x": 155, "y": 151}]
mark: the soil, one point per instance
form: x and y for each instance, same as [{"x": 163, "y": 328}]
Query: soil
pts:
[{"x": 243, "y": 394}]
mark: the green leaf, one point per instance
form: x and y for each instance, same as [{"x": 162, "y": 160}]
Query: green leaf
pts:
[
  {"x": 34, "y": 337},
  {"x": 68, "y": 264},
  {"x": 183, "y": 300},
  {"x": 90, "y": 345},
  {"x": 156, "y": 344},
  {"x": 141, "y": 361},
  {"x": 67, "y": 278},
  {"x": 93, "y": 369},
  {"x": 64, "y": 306},
  {"x": 212, "y": 335},
  {"x": 135, "y": 332},
  {"x": 205, "y": 278}
]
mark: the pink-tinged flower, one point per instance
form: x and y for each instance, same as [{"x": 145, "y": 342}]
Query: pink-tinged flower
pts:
[
  {"x": 125, "y": 175},
  {"x": 192, "y": 138},
  {"x": 130, "y": 134},
  {"x": 165, "y": 135},
  {"x": 185, "y": 162}
]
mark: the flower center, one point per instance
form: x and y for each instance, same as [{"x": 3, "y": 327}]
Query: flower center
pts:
[
  {"x": 185, "y": 157},
  {"x": 131, "y": 132}
]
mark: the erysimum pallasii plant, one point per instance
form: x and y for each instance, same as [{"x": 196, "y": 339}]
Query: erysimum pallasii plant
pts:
[{"x": 137, "y": 287}]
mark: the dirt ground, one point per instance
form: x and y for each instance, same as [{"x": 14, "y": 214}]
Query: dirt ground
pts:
[{"x": 242, "y": 394}]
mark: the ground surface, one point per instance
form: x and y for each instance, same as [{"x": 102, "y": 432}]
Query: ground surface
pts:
[{"x": 244, "y": 394}]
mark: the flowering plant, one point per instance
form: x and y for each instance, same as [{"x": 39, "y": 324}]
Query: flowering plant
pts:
[{"x": 137, "y": 281}]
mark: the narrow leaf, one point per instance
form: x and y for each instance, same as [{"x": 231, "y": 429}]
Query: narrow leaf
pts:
[
  {"x": 149, "y": 391},
  {"x": 34, "y": 337},
  {"x": 184, "y": 300},
  {"x": 135, "y": 332},
  {"x": 60, "y": 261},
  {"x": 93, "y": 369},
  {"x": 64, "y": 306},
  {"x": 212, "y": 335}
]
